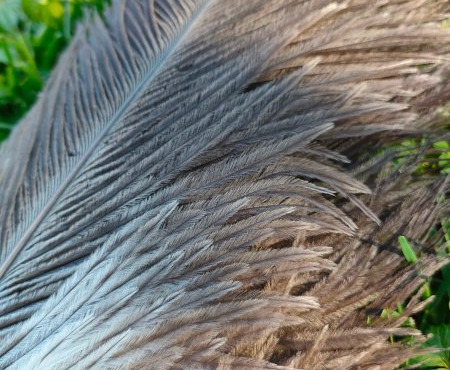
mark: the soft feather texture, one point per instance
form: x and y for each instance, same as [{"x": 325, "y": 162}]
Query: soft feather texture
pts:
[{"x": 179, "y": 197}]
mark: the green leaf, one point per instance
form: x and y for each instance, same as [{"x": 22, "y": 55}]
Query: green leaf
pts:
[
  {"x": 9, "y": 15},
  {"x": 407, "y": 250},
  {"x": 441, "y": 339},
  {"x": 55, "y": 9},
  {"x": 5, "y": 126},
  {"x": 441, "y": 145}
]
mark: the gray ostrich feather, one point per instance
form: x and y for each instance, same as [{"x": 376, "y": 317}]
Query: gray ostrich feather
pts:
[{"x": 192, "y": 188}]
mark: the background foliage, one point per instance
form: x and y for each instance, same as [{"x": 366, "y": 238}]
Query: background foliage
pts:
[{"x": 34, "y": 32}]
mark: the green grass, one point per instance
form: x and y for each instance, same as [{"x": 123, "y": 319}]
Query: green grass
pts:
[
  {"x": 407, "y": 250},
  {"x": 34, "y": 32},
  {"x": 435, "y": 319}
]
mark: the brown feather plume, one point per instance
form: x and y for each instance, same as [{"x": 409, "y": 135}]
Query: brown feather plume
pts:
[{"x": 197, "y": 188}]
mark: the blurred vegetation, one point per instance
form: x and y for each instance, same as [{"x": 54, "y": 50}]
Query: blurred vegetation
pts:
[
  {"x": 32, "y": 35},
  {"x": 34, "y": 32}
]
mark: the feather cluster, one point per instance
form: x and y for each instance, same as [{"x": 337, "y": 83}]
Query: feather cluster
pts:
[{"x": 192, "y": 188}]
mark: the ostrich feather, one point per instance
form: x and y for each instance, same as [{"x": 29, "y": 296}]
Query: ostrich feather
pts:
[{"x": 180, "y": 196}]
